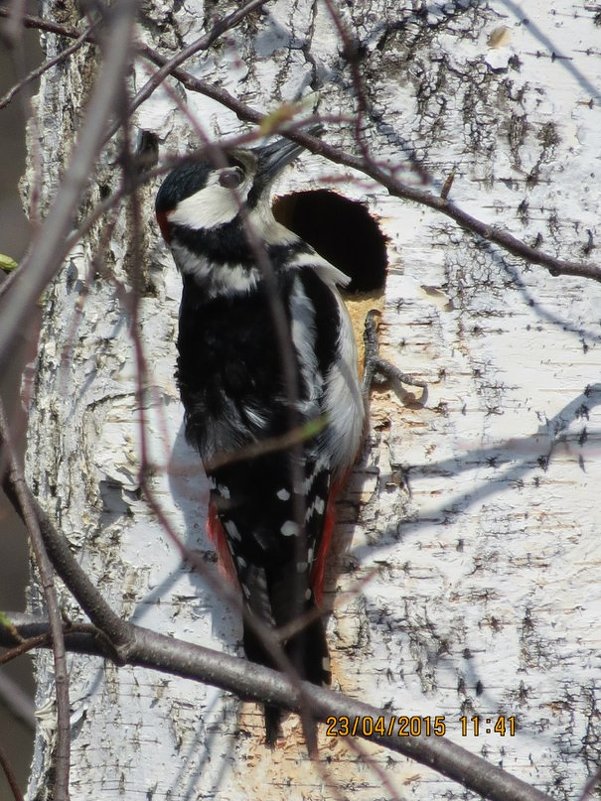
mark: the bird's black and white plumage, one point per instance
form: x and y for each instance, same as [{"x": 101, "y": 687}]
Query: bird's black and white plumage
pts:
[{"x": 272, "y": 509}]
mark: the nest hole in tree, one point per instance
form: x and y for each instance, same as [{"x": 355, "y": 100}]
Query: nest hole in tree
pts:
[{"x": 340, "y": 230}]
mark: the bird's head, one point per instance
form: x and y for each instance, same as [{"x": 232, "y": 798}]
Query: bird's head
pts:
[{"x": 202, "y": 195}]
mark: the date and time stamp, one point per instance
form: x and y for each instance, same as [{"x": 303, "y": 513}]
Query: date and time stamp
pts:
[{"x": 420, "y": 726}]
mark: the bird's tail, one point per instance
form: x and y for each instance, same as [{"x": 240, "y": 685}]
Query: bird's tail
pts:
[{"x": 307, "y": 650}]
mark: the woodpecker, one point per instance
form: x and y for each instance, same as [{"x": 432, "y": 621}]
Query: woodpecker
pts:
[{"x": 271, "y": 507}]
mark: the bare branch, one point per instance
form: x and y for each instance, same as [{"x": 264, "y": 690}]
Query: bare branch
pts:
[
  {"x": 66, "y": 565},
  {"x": 232, "y": 674}
]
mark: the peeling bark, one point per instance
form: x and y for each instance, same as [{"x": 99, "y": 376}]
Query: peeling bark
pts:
[{"x": 474, "y": 556}]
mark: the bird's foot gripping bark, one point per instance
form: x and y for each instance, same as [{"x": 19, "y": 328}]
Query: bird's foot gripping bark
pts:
[{"x": 377, "y": 371}]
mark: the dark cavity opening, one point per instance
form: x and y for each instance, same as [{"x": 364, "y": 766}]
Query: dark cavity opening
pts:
[{"x": 340, "y": 230}]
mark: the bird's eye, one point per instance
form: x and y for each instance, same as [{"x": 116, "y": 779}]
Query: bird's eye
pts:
[{"x": 231, "y": 177}]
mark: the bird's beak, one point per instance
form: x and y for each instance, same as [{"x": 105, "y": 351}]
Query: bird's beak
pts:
[{"x": 273, "y": 158}]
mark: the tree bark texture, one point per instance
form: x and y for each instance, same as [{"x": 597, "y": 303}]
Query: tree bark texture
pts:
[{"x": 469, "y": 585}]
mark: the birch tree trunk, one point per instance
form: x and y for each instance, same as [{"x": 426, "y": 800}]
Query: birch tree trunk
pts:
[{"x": 470, "y": 586}]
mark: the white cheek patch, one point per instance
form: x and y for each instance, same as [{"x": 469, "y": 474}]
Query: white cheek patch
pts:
[{"x": 212, "y": 206}]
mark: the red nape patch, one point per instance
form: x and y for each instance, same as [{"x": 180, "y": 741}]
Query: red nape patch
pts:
[
  {"x": 163, "y": 221},
  {"x": 219, "y": 540},
  {"x": 329, "y": 521}
]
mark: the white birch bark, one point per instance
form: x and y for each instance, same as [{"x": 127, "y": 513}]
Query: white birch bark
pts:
[{"x": 477, "y": 538}]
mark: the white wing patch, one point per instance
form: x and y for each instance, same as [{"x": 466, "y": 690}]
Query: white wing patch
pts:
[
  {"x": 268, "y": 229},
  {"x": 304, "y": 334},
  {"x": 329, "y": 274},
  {"x": 343, "y": 401}
]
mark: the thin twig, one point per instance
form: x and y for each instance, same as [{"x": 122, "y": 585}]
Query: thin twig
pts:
[
  {"x": 38, "y": 71},
  {"x": 384, "y": 175},
  {"x": 220, "y": 27},
  {"x": 379, "y": 172},
  {"x": 48, "y": 250},
  {"x": 351, "y": 54},
  {"x": 262, "y": 447},
  {"x": 16, "y": 489},
  {"x": 23, "y": 648},
  {"x": 10, "y": 776},
  {"x": 67, "y": 566},
  {"x": 39, "y": 24}
]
